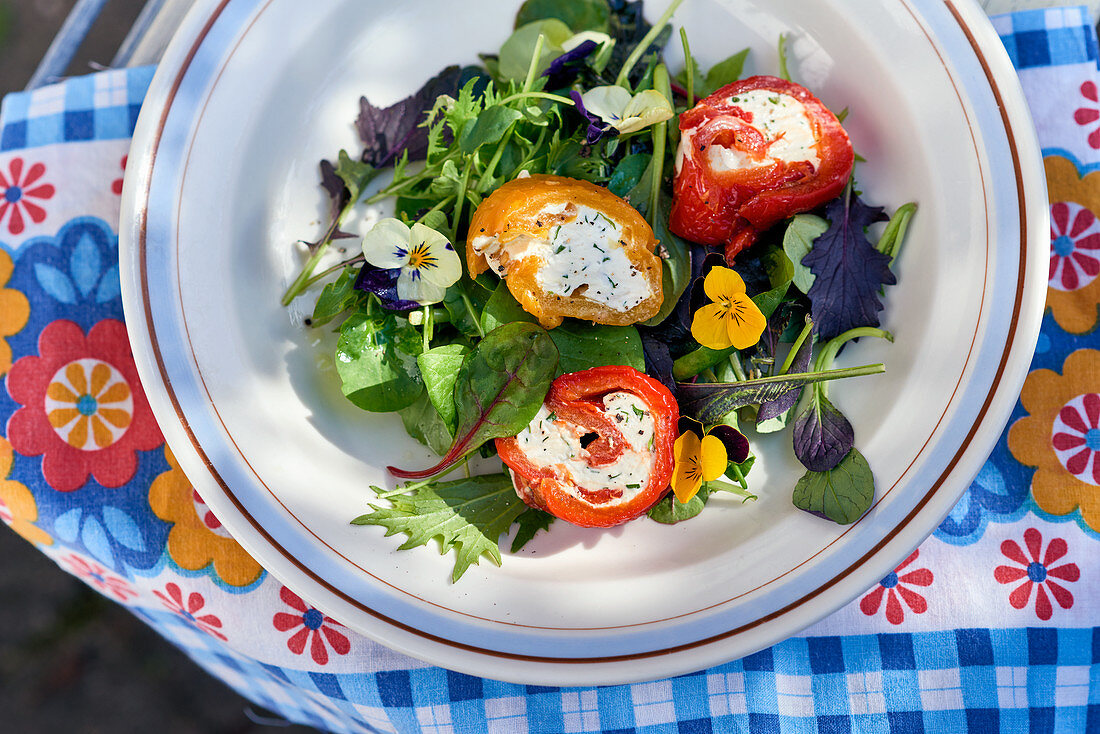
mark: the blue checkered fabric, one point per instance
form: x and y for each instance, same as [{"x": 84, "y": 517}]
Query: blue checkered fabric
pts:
[
  {"x": 101, "y": 106},
  {"x": 1048, "y": 37},
  {"x": 981, "y": 680}
]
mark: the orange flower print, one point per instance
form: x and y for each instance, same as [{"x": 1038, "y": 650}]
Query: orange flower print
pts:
[
  {"x": 1073, "y": 290},
  {"x": 1061, "y": 436},
  {"x": 89, "y": 404},
  {"x": 17, "y": 506},
  {"x": 197, "y": 539},
  {"x": 15, "y": 309}
]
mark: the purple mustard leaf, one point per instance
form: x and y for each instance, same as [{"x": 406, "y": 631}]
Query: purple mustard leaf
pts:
[
  {"x": 822, "y": 435},
  {"x": 382, "y": 282},
  {"x": 388, "y": 132},
  {"x": 565, "y": 68},
  {"x": 658, "y": 361},
  {"x": 848, "y": 270},
  {"x": 597, "y": 128}
]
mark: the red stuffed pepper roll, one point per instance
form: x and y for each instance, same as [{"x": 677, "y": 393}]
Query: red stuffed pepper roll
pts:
[
  {"x": 600, "y": 450},
  {"x": 752, "y": 154}
]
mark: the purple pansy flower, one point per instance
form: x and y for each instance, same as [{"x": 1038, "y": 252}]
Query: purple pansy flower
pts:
[
  {"x": 565, "y": 68},
  {"x": 411, "y": 264}
]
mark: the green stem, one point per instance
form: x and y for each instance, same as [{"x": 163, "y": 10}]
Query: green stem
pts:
[
  {"x": 735, "y": 363},
  {"x": 473, "y": 315},
  {"x": 537, "y": 95},
  {"x": 660, "y": 136},
  {"x": 689, "y": 69},
  {"x": 796, "y": 346},
  {"x": 894, "y": 234},
  {"x": 338, "y": 266},
  {"x": 832, "y": 347},
  {"x": 742, "y": 491},
  {"x": 693, "y": 363},
  {"x": 533, "y": 67},
  {"x": 644, "y": 44}
]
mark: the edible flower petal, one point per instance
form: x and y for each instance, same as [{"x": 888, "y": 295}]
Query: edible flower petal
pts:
[
  {"x": 732, "y": 320},
  {"x": 696, "y": 461},
  {"x": 597, "y": 128},
  {"x": 424, "y": 259},
  {"x": 565, "y": 68},
  {"x": 613, "y": 107}
]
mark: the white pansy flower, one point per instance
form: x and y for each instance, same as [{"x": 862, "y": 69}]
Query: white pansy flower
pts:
[
  {"x": 624, "y": 111},
  {"x": 427, "y": 262}
]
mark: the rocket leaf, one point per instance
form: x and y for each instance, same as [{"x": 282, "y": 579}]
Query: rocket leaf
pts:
[
  {"x": 468, "y": 516},
  {"x": 848, "y": 270}
]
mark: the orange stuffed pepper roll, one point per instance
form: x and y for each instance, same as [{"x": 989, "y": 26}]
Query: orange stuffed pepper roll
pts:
[{"x": 567, "y": 247}]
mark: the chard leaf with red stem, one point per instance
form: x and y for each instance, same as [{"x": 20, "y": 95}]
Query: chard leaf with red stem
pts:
[{"x": 499, "y": 390}]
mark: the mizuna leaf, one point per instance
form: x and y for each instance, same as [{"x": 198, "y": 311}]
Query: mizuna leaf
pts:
[
  {"x": 501, "y": 387},
  {"x": 848, "y": 270},
  {"x": 530, "y": 522},
  {"x": 841, "y": 495},
  {"x": 468, "y": 516},
  {"x": 710, "y": 402}
]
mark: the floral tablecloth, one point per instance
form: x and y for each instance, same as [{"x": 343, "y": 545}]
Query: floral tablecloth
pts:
[{"x": 991, "y": 624}]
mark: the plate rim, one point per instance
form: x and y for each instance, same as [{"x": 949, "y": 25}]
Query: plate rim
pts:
[{"x": 1022, "y": 335}]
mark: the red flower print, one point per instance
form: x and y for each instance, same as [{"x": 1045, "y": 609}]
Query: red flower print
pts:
[
  {"x": 895, "y": 588},
  {"x": 1090, "y": 113},
  {"x": 1037, "y": 573},
  {"x": 16, "y": 192},
  {"x": 1074, "y": 246},
  {"x": 98, "y": 577},
  {"x": 316, "y": 628},
  {"x": 173, "y": 599},
  {"x": 1075, "y": 437},
  {"x": 83, "y": 407},
  {"x": 116, "y": 185}
]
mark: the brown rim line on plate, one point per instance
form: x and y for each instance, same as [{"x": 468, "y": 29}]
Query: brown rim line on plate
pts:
[{"x": 144, "y": 181}]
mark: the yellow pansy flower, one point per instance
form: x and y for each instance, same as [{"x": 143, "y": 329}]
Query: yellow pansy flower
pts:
[
  {"x": 732, "y": 320},
  {"x": 696, "y": 461}
]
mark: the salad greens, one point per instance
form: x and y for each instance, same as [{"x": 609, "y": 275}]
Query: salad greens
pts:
[{"x": 580, "y": 89}]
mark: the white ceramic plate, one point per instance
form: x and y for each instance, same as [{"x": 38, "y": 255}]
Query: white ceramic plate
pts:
[{"x": 223, "y": 178}]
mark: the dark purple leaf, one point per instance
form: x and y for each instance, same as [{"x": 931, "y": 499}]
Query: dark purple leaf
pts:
[
  {"x": 822, "y": 435},
  {"x": 658, "y": 361},
  {"x": 779, "y": 406},
  {"x": 597, "y": 128},
  {"x": 849, "y": 270},
  {"x": 382, "y": 282},
  {"x": 565, "y": 68},
  {"x": 388, "y": 132},
  {"x": 628, "y": 27},
  {"x": 737, "y": 446}
]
